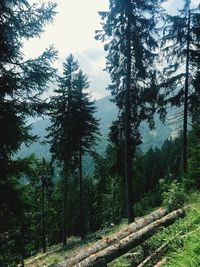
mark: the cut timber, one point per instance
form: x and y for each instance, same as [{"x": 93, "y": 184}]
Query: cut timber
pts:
[
  {"x": 161, "y": 263},
  {"x": 107, "y": 241},
  {"x": 156, "y": 253},
  {"x": 124, "y": 245}
]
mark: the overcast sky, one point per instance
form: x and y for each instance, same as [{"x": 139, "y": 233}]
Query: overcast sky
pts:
[{"x": 73, "y": 32}]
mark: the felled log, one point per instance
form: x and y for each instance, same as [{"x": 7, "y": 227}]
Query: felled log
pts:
[
  {"x": 161, "y": 263},
  {"x": 156, "y": 253},
  {"x": 124, "y": 245},
  {"x": 107, "y": 241}
]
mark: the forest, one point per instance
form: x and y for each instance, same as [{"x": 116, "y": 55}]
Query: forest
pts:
[{"x": 96, "y": 177}]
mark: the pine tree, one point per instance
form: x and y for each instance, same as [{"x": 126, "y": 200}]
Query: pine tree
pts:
[
  {"x": 85, "y": 128},
  {"x": 44, "y": 176},
  {"x": 74, "y": 127},
  {"x": 60, "y": 131},
  {"x": 129, "y": 31},
  {"x": 180, "y": 46},
  {"x": 195, "y": 59},
  {"x": 22, "y": 82}
]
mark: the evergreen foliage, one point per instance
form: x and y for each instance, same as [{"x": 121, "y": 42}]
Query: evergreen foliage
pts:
[
  {"x": 180, "y": 46},
  {"x": 74, "y": 128},
  {"x": 129, "y": 33},
  {"x": 22, "y": 82}
]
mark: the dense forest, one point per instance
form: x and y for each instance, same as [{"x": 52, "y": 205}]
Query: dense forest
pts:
[{"x": 153, "y": 59}]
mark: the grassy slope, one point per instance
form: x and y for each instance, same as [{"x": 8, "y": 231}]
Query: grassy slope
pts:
[
  {"x": 183, "y": 249},
  {"x": 183, "y": 237},
  {"x": 58, "y": 253}
]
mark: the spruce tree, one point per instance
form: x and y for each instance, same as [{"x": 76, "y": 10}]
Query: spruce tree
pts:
[
  {"x": 73, "y": 130},
  {"x": 85, "y": 129},
  {"x": 60, "y": 131},
  {"x": 180, "y": 45},
  {"x": 195, "y": 59},
  {"x": 129, "y": 32},
  {"x": 22, "y": 83}
]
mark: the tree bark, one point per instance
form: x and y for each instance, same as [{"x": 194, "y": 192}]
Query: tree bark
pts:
[
  {"x": 185, "y": 122},
  {"x": 128, "y": 156},
  {"x": 107, "y": 241},
  {"x": 65, "y": 211},
  {"x": 161, "y": 263},
  {"x": 43, "y": 219},
  {"x": 155, "y": 254},
  {"x": 82, "y": 217},
  {"x": 124, "y": 245}
]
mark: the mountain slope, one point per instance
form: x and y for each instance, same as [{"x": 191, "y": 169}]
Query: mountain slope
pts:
[{"x": 106, "y": 112}]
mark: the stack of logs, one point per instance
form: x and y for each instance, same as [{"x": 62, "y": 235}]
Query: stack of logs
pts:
[{"x": 112, "y": 247}]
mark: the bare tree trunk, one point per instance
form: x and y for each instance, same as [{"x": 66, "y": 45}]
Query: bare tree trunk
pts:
[
  {"x": 124, "y": 245},
  {"x": 107, "y": 241},
  {"x": 82, "y": 217},
  {"x": 155, "y": 254},
  {"x": 65, "y": 212},
  {"x": 128, "y": 156},
  {"x": 186, "y": 97},
  {"x": 161, "y": 263},
  {"x": 43, "y": 220}
]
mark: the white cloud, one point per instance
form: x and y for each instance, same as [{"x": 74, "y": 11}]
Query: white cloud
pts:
[{"x": 73, "y": 31}]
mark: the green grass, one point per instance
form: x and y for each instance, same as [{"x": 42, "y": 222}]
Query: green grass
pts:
[
  {"x": 58, "y": 253},
  {"x": 183, "y": 239},
  {"x": 185, "y": 251}
]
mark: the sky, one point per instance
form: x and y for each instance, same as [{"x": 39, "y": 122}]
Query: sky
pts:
[{"x": 73, "y": 31}]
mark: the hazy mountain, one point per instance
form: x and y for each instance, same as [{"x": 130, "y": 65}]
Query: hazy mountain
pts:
[{"x": 106, "y": 112}]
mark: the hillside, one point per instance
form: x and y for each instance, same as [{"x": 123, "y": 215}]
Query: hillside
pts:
[
  {"x": 106, "y": 112},
  {"x": 182, "y": 238}
]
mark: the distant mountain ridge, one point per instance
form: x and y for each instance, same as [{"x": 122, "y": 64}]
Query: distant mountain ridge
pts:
[{"x": 106, "y": 112}]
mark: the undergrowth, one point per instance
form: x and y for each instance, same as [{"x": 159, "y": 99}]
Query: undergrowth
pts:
[{"x": 183, "y": 249}]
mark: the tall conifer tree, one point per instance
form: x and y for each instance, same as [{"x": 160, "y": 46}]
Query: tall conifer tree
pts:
[
  {"x": 85, "y": 132},
  {"x": 180, "y": 45},
  {"x": 74, "y": 128},
  {"x": 129, "y": 32},
  {"x": 21, "y": 84},
  {"x": 60, "y": 131}
]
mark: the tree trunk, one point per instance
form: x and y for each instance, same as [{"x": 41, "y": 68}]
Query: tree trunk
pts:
[
  {"x": 43, "y": 220},
  {"x": 124, "y": 245},
  {"x": 128, "y": 156},
  {"x": 22, "y": 252},
  {"x": 65, "y": 211},
  {"x": 82, "y": 219},
  {"x": 107, "y": 241},
  {"x": 154, "y": 255},
  {"x": 161, "y": 263},
  {"x": 186, "y": 98}
]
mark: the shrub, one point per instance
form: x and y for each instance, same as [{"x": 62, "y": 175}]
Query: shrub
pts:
[{"x": 174, "y": 196}]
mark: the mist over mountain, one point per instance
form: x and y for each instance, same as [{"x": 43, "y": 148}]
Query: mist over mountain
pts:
[{"x": 106, "y": 112}]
